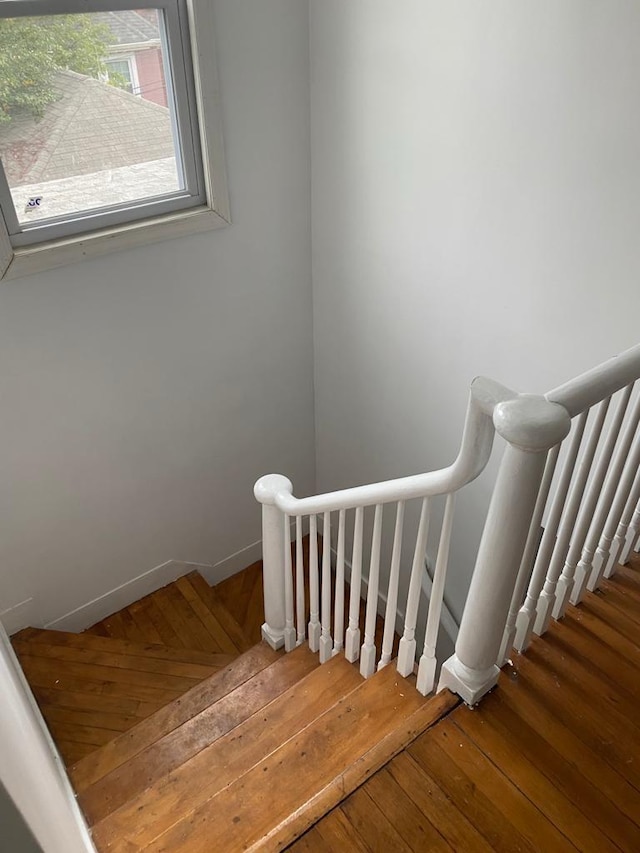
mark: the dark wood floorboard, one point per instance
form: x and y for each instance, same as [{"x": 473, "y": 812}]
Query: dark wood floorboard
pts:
[{"x": 550, "y": 761}]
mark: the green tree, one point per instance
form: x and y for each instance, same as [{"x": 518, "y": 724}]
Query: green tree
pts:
[{"x": 33, "y": 49}]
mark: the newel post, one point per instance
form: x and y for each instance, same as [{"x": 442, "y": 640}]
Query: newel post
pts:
[
  {"x": 531, "y": 426},
  {"x": 273, "y": 545}
]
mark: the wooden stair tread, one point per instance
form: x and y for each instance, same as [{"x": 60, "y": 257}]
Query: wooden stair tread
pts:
[
  {"x": 110, "y": 645},
  {"x": 153, "y": 811},
  {"x": 219, "y": 612},
  {"x": 119, "y": 655},
  {"x": 183, "y": 614},
  {"x": 184, "y": 742},
  {"x": 311, "y": 772},
  {"x": 242, "y": 595},
  {"x": 172, "y": 716}
]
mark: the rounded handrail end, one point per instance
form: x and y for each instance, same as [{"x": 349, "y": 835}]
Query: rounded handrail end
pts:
[
  {"x": 267, "y": 488},
  {"x": 531, "y": 422}
]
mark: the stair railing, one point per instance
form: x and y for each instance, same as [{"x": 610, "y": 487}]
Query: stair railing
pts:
[
  {"x": 532, "y": 488},
  {"x": 590, "y": 500}
]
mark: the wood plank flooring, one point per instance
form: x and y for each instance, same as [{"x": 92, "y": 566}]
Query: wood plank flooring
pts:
[
  {"x": 92, "y": 687},
  {"x": 549, "y": 761}
]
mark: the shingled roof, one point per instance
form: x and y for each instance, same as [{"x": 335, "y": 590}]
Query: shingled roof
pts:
[
  {"x": 92, "y": 126},
  {"x": 128, "y": 26}
]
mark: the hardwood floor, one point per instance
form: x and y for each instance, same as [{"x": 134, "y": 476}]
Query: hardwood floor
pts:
[
  {"x": 93, "y": 686},
  {"x": 549, "y": 761},
  {"x": 171, "y": 715}
]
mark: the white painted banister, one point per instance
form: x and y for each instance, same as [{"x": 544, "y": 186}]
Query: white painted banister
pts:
[
  {"x": 597, "y": 472},
  {"x": 368, "y": 650},
  {"x": 407, "y": 648},
  {"x": 314, "y": 590},
  {"x": 273, "y": 558},
  {"x": 475, "y": 449},
  {"x": 629, "y": 474},
  {"x": 427, "y": 665},
  {"x": 582, "y": 532},
  {"x": 300, "y": 602},
  {"x": 338, "y": 630},
  {"x": 289, "y": 629},
  {"x": 633, "y": 536},
  {"x": 519, "y": 625},
  {"x": 552, "y": 539},
  {"x": 392, "y": 593},
  {"x": 531, "y": 426},
  {"x": 592, "y": 561},
  {"x": 622, "y": 541},
  {"x": 352, "y": 639},
  {"x": 326, "y": 643},
  {"x": 590, "y": 388},
  {"x": 564, "y": 552}
]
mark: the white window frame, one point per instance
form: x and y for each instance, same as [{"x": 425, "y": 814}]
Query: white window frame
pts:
[
  {"x": 130, "y": 60},
  {"x": 213, "y": 212}
]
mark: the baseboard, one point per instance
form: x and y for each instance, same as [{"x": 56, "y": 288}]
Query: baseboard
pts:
[
  {"x": 28, "y": 613},
  {"x": 19, "y": 616},
  {"x": 124, "y": 595},
  {"x": 232, "y": 565}
]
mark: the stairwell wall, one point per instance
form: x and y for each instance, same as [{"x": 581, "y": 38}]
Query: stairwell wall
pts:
[
  {"x": 475, "y": 210},
  {"x": 143, "y": 393},
  {"x": 16, "y": 837}
]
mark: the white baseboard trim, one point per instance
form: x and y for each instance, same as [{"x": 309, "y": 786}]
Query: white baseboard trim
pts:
[
  {"x": 123, "y": 595},
  {"x": 28, "y": 613},
  {"x": 232, "y": 565},
  {"x": 19, "y": 616}
]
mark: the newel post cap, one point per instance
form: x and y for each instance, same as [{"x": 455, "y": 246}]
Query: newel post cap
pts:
[
  {"x": 531, "y": 422},
  {"x": 267, "y": 489}
]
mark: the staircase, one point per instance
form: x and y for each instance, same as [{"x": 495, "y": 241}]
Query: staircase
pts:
[
  {"x": 184, "y": 733},
  {"x": 177, "y": 728}
]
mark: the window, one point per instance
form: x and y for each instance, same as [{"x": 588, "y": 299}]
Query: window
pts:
[
  {"x": 122, "y": 72},
  {"x": 108, "y": 132}
]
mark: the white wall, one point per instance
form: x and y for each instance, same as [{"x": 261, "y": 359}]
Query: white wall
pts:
[
  {"x": 143, "y": 394},
  {"x": 476, "y": 209}
]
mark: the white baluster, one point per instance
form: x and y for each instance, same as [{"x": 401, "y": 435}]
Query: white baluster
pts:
[
  {"x": 600, "y": 535},
  {"x": 519, "y": 627},
  {"x": 300, "y": 603},
  {"x": 546, "y": 599},
  {"x": 352, "y": 639},
  {"x": 427, "y": 666},
  {"x": 632, "y": 537},
  {"x": 407, "y": 648},
  {"x": 623, "y": 538},
  {"x": 368, "y": 650},
  {"x": 392, "y": 593},
  {"x": 338, "y": 631},
  {"x": 289, "y": 629},
  {"x": 575, "y": 523},
  {"x": 617, "y": 508},
  {"x": 314, "y": 594},
  {"x": 326, "y": 643},
  {"x": 561, "y": 569},
  {"x": 586, "y": 530}
]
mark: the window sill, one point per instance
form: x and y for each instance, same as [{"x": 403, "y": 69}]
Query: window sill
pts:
[{"x": 57, "y": 253}]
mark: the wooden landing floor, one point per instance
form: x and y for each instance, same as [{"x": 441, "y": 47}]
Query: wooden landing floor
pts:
[{"x": 550, "y": 761}]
